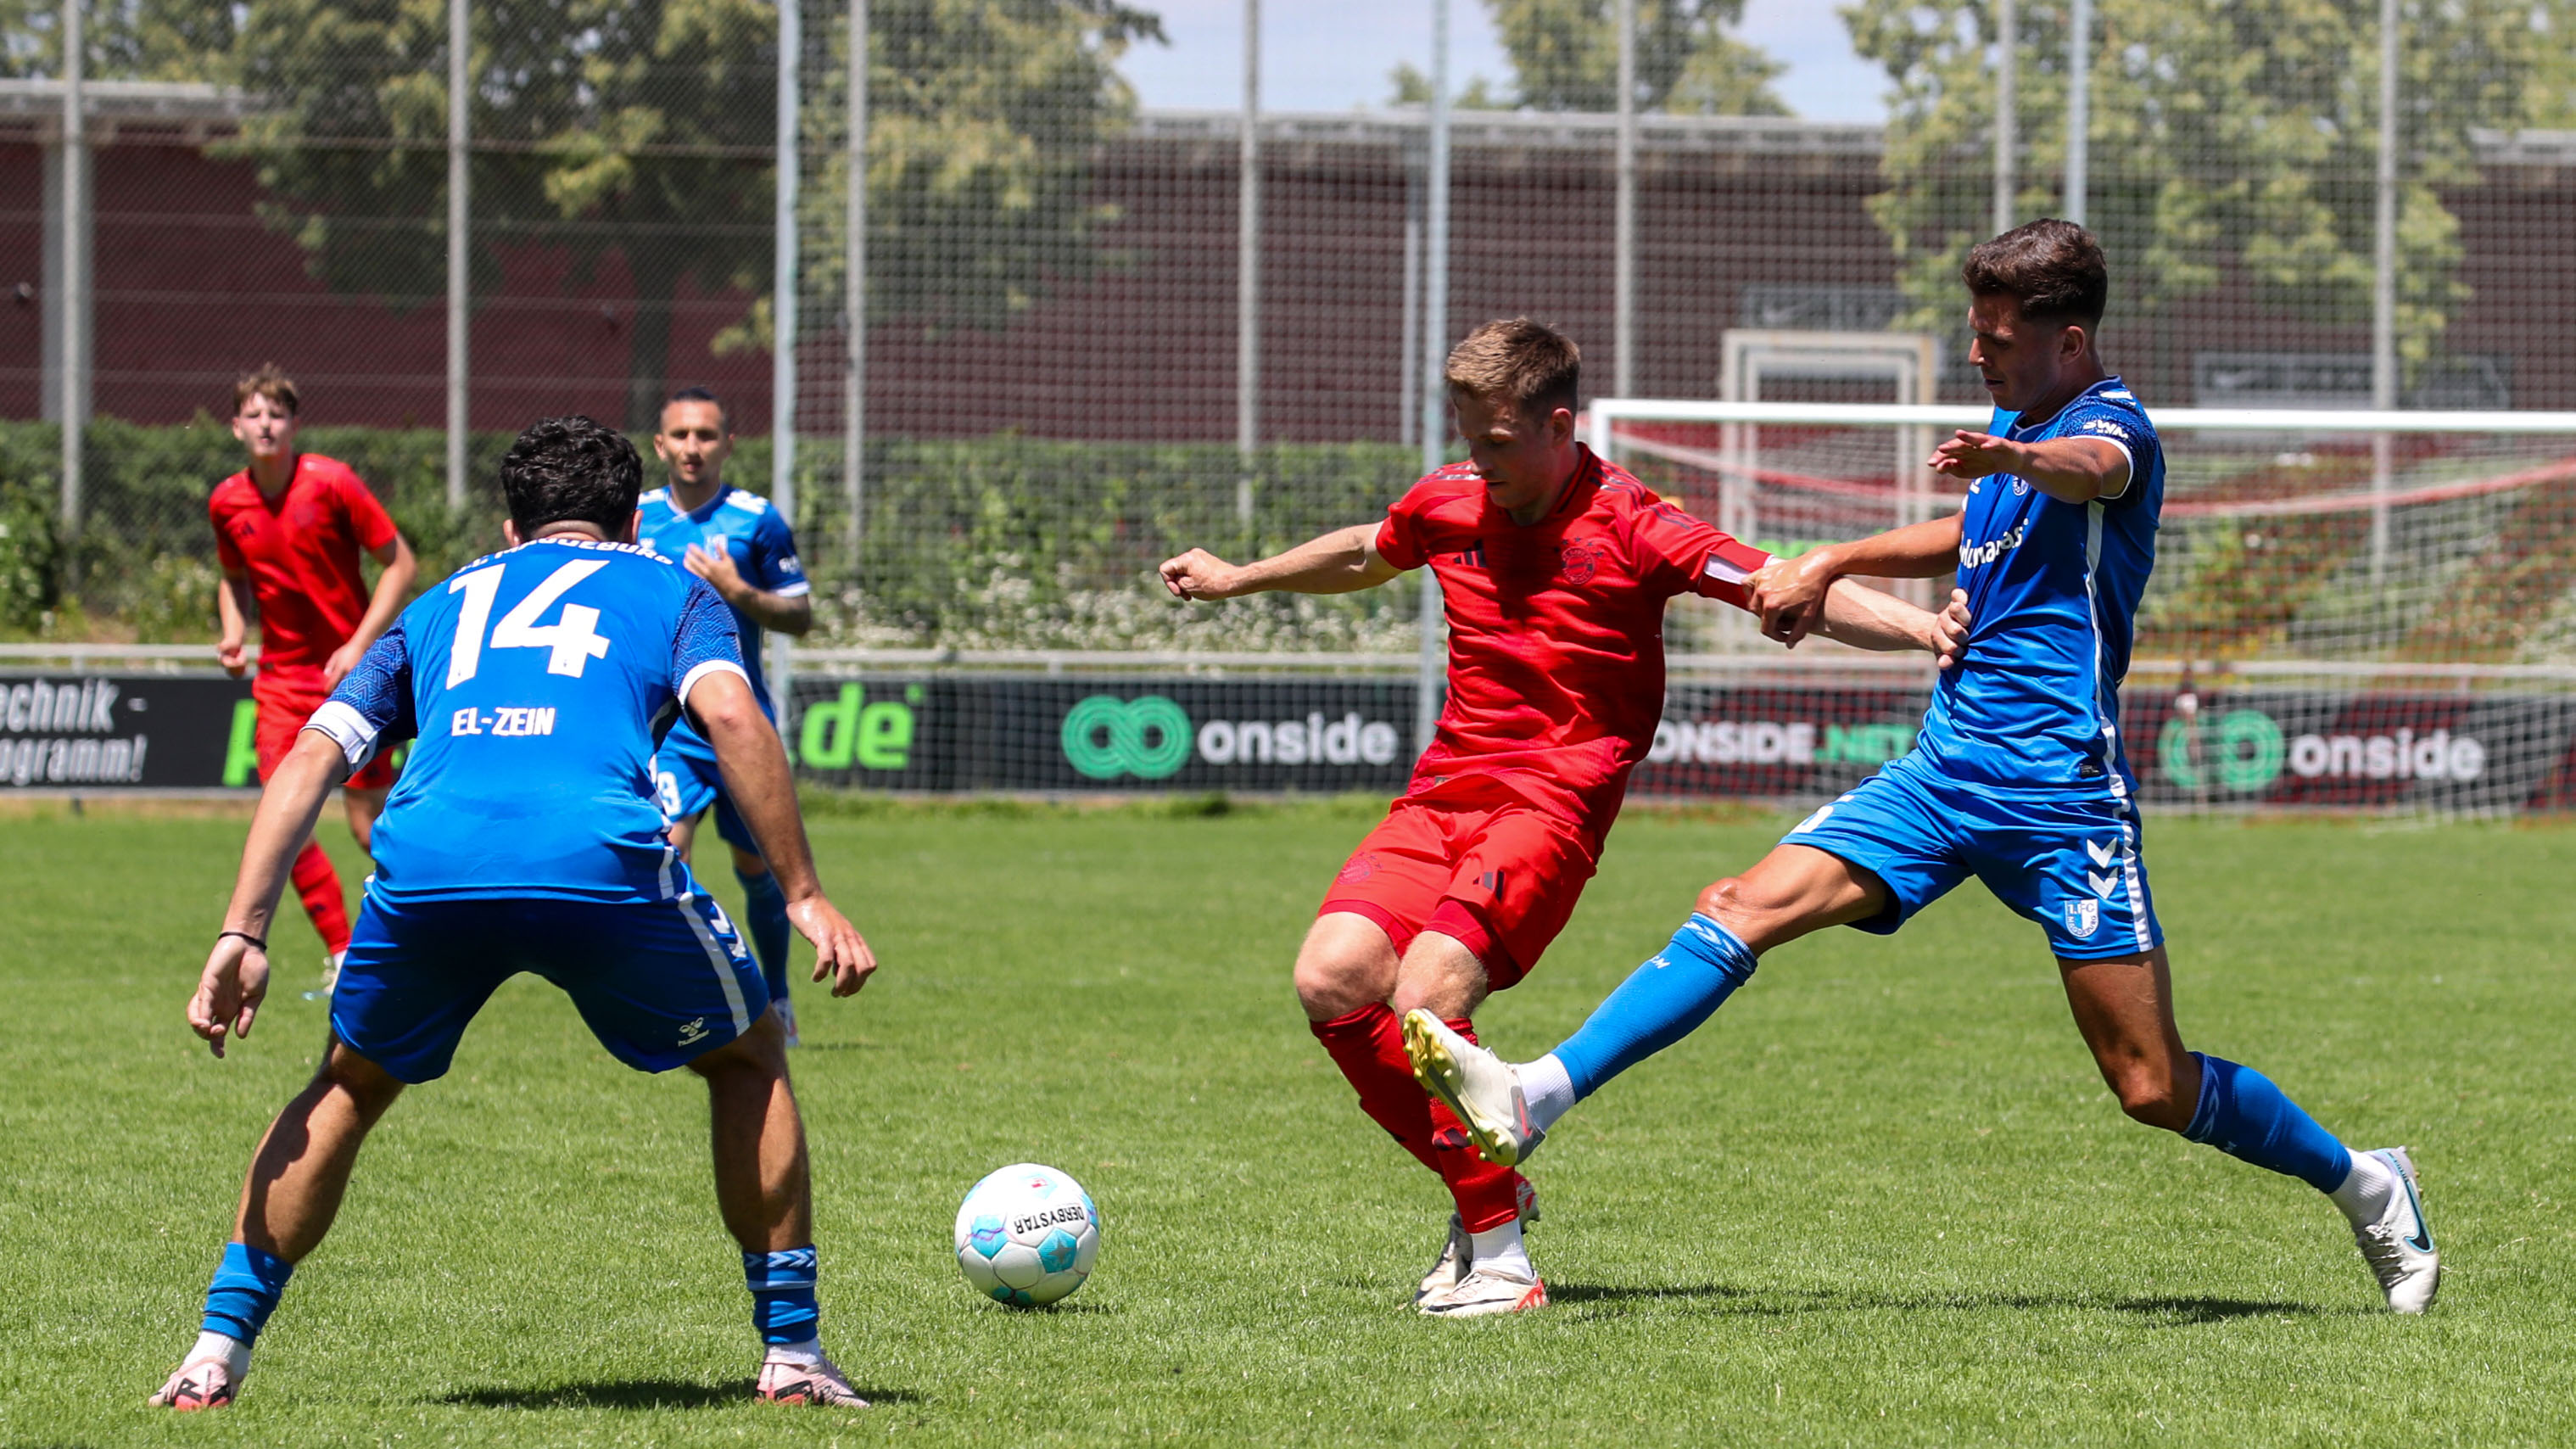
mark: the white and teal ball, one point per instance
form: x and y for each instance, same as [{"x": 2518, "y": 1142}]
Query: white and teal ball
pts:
[{"x": 1027, "y": 1235}]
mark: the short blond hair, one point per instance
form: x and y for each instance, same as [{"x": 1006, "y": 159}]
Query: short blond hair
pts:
[
  {"x": 270, "y": 382},
  {"x": 1522, "y": 364}
]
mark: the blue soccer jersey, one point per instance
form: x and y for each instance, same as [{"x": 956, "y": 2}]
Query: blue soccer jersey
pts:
[
  {"x": 739, "y": 523},
  {"x": 2034, "y": 703},
  {"x": 536, "y": 682}
]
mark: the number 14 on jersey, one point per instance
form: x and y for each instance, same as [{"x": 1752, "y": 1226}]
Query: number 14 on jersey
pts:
[{"x": 573, "y": 639}]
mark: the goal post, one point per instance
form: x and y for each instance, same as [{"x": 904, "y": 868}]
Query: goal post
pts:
[{"x": 2350, "y": 607}]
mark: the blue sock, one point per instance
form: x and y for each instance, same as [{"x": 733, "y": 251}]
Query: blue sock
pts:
[
  {"x": 245, "y": 1291},
  {"x": 1660, "y": 1003},
  {"x": 2243, "y": 1115},
  {"x": 764, "y": 911},
  {"x": 782, "y": 1294}
]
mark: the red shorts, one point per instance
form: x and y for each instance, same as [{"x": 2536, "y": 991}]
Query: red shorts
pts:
[
  {"x": 280, "y": 723},
  {"x": 1501, "y": 881}
]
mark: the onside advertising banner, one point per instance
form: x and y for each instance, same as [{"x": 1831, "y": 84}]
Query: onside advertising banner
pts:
[
  {"x": 101, "y": 732},
  {"x": 1792, "y": 744}
]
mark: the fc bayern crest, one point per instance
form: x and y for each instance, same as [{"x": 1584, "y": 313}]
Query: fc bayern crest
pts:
[
  {"x": 2083, "y": 917},
  {"x": 1578, "y": 559}
]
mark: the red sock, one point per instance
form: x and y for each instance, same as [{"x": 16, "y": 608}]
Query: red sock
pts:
[
  {"x": 1487, "y": 1196},
  {"x": 319, "y": 885},
  {"x": 1368, "y": 1045}
]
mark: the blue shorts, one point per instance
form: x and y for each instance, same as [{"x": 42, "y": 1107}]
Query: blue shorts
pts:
[
  {"x": 660, "y": 983},
  {"x": 2068, "y": 862},
  {"x": 686, "y": 780}
]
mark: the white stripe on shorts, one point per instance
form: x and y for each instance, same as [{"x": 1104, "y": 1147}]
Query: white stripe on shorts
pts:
[{"x": 717, "y": 958}]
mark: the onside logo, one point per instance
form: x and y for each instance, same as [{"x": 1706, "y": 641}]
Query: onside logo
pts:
[
  {"x": 1778, "y": 742},
  {"x": 2244, "y": 750},
  {"x": 1151, "y": 738}
]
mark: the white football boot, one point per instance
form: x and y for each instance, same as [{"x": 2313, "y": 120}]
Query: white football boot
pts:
[
  {"x": 787, "y": 1020},
  {"x": 1486, "y": 1292},
  {"x": 798, "y": 1379},
  {"x": 1459, "y": 1253},
  {"x": 1482, "y": 1088},
  {"x": 201, "y": 1383},
  {"x": 2398, "y": 1246}
]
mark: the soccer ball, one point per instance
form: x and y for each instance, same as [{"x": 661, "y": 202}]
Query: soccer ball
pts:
[{"x": 1027, "y": 1235}]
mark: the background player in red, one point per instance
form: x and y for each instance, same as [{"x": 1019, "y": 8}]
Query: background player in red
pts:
[
  {"x": 1554, "y": 568},
  {"x": 288, "y": 531}
]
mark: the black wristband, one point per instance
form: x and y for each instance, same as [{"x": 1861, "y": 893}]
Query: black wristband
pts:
[{"x": 256, "y": 942}]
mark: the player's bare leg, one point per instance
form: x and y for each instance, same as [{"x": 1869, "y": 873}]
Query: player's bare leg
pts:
[
  {"x": 289, "y": 1200},
  {"x": 1441, "y": 979},
  {"x": 1347, "y": 974},
  {"x": 2124, "y": 1008},
  {"x": 762, "y": 1185},
  {"x": 764, "y": 1192},
  {"x": 1791, "y": 892}
]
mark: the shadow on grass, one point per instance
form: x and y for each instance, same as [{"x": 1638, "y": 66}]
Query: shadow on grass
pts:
[
  {"x": 1725, "y": 1300},
  {"x": 636, "y": 1394}
]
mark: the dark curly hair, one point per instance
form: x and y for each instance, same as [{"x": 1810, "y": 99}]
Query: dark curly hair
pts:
[
  {"x": 567, "y": 469},
  {"x": 2054, "y": 269}
]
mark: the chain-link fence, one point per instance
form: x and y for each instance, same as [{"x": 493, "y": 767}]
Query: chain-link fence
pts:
[{"x": 1053, "y": 316}]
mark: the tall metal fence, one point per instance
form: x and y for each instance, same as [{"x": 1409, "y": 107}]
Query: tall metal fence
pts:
[{"x": 1055, "y": 335}]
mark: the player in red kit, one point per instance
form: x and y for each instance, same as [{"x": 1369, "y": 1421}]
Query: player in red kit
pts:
[
  {"x": 288, "y": 532},
  {"x": 1554, "y": 568}
]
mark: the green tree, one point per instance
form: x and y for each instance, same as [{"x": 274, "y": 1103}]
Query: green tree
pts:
[
  {"x": 131, "y": 40},
  {"x": 629, "y": 129},
  {"x": 1565, "y": 57},
  {"x": 641, "y": 131},
  {"x": 2228, "y": 139},
  {"x": 983, "y": 117}
]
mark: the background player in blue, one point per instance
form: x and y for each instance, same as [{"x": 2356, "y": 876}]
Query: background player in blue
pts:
[
  {"x": 524, "y": 836},
  {"x": 746, "y": 552},
  {"x": 2019, "y": 778}
]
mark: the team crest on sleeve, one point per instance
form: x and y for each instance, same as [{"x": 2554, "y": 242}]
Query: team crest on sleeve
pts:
[{"x": 2083, "y": 918}]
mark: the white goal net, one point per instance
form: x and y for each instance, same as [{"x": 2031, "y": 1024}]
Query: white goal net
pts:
[{"x": 2349, "y": 608}]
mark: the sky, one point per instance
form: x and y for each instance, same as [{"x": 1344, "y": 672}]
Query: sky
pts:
[{"x": 1333, "y": 55}]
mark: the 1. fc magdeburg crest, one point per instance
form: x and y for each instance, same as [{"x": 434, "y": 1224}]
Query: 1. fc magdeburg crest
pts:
[{"x": 2083, "y": 917}]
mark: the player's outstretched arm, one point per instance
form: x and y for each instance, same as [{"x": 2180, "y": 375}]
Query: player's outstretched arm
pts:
[
  {"x": 2071, "y": 470},
  {"x": 1787, "y": 590},
  {"x": 763, "y": 791},
  {"x": 1344, "y": 561},
  {"x": 235, "y": 980},
  {"x": 1866, "y": 618}
]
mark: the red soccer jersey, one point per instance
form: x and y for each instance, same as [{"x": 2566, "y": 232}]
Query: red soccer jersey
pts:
[
  {"x": 1556, "y": 630},
  {"x": 301, "y": 552}
]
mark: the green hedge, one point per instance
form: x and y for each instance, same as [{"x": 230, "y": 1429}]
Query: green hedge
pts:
[{"x": 985, "y": 542}]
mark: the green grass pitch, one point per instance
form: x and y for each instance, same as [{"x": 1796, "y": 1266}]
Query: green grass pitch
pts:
[{"x": 1881, "y": 1199}]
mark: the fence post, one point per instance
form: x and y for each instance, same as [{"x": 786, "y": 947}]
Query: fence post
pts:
[
  {"x": 2383, "y": 293},
  {"x": 1623, "y": 266},
  {"x": 2079, "y": 109},
  {"x": 1430, "y": 668},
  {"x": 782, "y": 309},
  {"x": 75, "y": 277},
  {"x": 854, "y": 291},
  {"x": 1247, "y": 265},
  {"x": 2007, "y": 109},
  {"x": 459, "y": 214}
]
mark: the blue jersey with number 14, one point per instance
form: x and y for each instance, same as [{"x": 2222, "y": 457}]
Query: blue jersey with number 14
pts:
[{"x": 537, "y": 682}]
